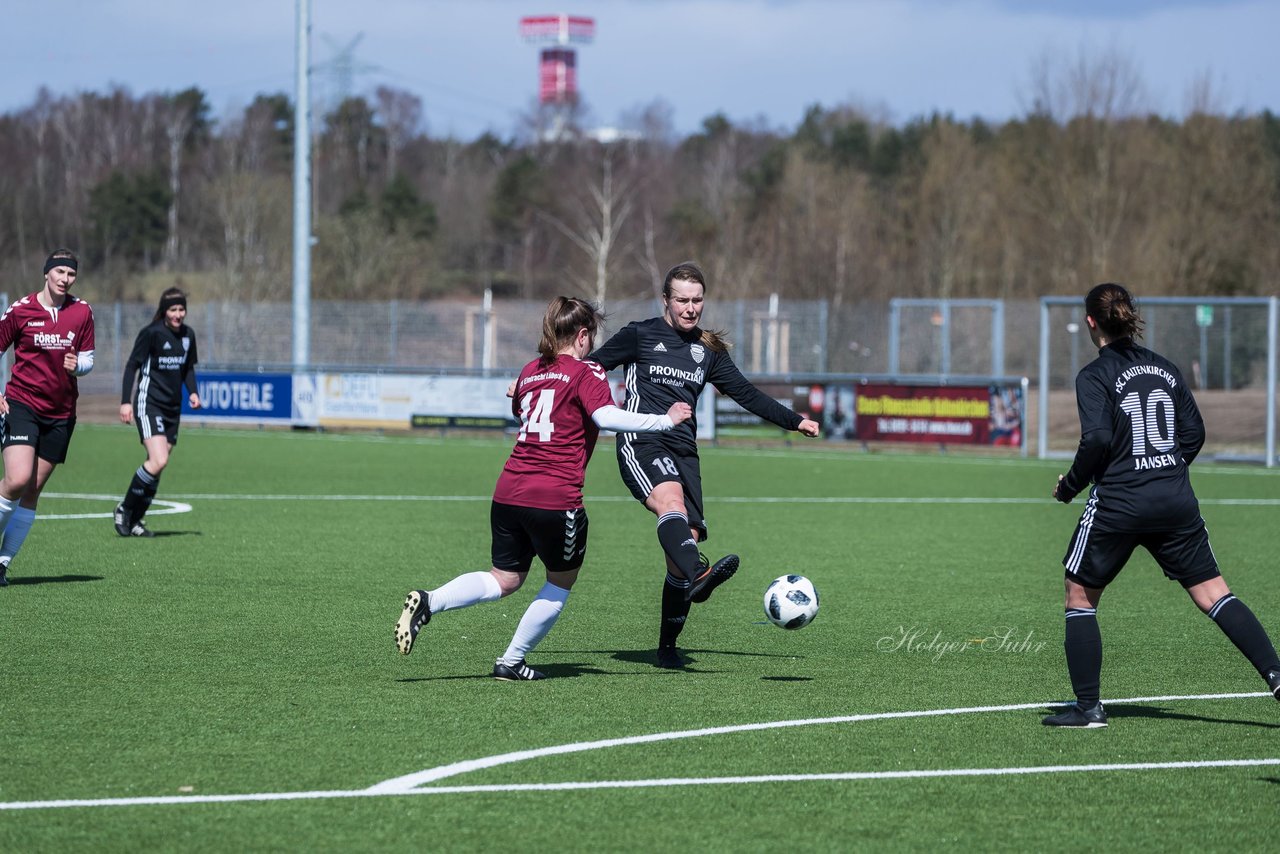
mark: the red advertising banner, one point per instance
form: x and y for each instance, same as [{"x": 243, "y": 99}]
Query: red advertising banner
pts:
[{"x": 976, "y": 415}]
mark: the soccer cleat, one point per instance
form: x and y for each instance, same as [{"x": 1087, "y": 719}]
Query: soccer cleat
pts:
[
  {"x": 1074, "y": 716},
  {"x": 670, "y": 658},
  {"x": 1272, "y": 677},
  {"x": 416, "y": 614},
  {"x": 4, "y": 574},
  {"x": 122, "y": 524},
  {"x": 518, "y": 672},
  {"x": 140, "y": 530},
  {"x": 711, "y": 578}
]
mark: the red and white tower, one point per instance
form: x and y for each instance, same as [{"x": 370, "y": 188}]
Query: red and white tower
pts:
[{"x": 558, "y": 65}]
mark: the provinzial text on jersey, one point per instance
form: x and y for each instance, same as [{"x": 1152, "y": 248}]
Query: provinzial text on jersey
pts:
[
  {"x": 1138, "y": 370},
  {"x": 675, "y": 373}
]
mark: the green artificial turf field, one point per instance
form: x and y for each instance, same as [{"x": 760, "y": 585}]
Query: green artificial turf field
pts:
[{"x": 233, "y": 684}]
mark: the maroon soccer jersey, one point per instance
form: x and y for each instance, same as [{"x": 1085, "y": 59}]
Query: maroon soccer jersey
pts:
[
  {"x": 41, "y": 337},
  {"x": 554, "y": 404}
]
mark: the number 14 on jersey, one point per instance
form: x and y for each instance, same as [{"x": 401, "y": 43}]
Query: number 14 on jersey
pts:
[{"x": 537, "y": 419}]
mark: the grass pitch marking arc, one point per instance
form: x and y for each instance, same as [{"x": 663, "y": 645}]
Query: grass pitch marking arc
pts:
[
  {"x": 159, "y": 507},
  {"x": 411, "y": 784}
]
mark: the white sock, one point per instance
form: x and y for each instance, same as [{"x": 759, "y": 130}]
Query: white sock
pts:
[
  {"x": 468, "y": 589},
  {"x": 538, "y": 619},
  {"x": 6, "y": 510},
  {"x": 15, "y": 533}
]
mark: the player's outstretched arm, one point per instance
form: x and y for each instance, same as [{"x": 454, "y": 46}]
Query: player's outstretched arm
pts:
[{"x": 621, "y": 421}]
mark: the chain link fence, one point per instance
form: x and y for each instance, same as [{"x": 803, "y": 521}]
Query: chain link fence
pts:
[
  {"x": 1220, "y": 345},
  {"x": 768, "y": 336}
]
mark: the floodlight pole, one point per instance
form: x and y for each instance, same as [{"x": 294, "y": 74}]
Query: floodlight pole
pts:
[{"x": 302, "y": 193}]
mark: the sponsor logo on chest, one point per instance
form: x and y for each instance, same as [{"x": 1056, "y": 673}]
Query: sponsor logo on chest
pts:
[{"x": 52, "y": 340}]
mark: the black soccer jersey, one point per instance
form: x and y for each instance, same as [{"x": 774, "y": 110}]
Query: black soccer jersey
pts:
[
  {"x": 1139, "y": 430},
  {"x": 163, "y": 361},
  {"x": 664, "y": 367}
]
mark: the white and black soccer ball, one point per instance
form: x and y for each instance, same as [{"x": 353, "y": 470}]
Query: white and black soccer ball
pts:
[{"x": 791, "y": 602}]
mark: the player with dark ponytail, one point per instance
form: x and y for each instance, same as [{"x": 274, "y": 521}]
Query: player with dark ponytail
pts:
[{"x": 1140, "y": 430}]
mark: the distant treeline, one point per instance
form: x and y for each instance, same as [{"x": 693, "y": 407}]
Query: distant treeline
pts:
[{"x": 1083, "y": 188}]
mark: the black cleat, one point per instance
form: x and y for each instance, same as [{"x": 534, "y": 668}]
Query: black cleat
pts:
[
  {"x": 711, "y": 577},
  {"x": 670, "y": 658},
  {"x": 1074, "y": 716},
  {"x": 416, "y": 614},
  {"x": 1272, "y": 677},
  {"x": 140, "y": 530},
  {"x": 519, "y": 672},
  {"x": 4, "y": 574},
  {"x": 122, "y": 524}
]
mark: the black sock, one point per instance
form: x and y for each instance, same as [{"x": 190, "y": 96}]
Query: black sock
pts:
[
  {"x": 1083, "y": 644},
  {"x": 678, "y": 543},
  {"x": 674, "y": 610},
  {"x": 142, "y": 489},
  {"x": 1240, "y": 625}
]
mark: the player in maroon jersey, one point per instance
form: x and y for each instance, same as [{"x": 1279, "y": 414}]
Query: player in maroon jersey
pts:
[
  {"x": 562, "y": 403},
  {"x": 52, "y": 337}
]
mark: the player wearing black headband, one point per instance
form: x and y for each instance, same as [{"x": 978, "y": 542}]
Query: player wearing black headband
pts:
[
  {"x": 52, "y": 337},
  {"x": 163, "y": 361},
  {"x": 671, "y": 359}
]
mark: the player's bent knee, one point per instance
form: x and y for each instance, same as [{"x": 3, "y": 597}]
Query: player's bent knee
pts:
[
  {"x": 508, "y": 582},
  {"x": 14, "y": 488}
]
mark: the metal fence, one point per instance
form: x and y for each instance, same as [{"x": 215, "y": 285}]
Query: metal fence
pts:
[
  {"x": 1220, "y": 344},
  {"x": 1226, "y": 348},
  {"x": 768, "y": 336}
]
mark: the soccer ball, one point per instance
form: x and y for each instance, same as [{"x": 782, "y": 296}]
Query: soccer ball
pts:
[{"x": 791, "y": 602}]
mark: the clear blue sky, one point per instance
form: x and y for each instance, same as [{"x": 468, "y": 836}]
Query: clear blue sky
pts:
[{"x": 750, "y": 59}]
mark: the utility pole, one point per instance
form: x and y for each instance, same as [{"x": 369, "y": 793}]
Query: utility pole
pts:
[{"x": 302, "y": 194}]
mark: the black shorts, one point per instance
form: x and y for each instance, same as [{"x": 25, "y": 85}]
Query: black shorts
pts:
[
  {"x": 49, "y": 436},
  {"x": 557, "y": 537},
  {"x": 644, "y": 465},
  {"x": 158, "y": 422},
  {"x": 1094, "y": 558}
]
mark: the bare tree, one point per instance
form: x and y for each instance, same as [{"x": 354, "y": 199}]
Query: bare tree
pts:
[{"x": 596, "y": 219}]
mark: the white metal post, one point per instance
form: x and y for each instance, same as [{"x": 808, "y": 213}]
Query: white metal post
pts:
[{"x": 302, "y": 194}]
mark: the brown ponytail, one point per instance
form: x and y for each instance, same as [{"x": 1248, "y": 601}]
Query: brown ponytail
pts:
[
  {"x": 564, "y": 317},
  {"x": 1111, "y": 307}
]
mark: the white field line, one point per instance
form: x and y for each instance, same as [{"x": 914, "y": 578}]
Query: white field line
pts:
[
  {"x": 593, "y": 499},
  {"x": 164, "y": 507},
  {"x": 804, "y": 452},
  {"x": 407, "y": 785},
  {"x": 159, "y": 507},
  {"x": 430, "y": 775}
]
